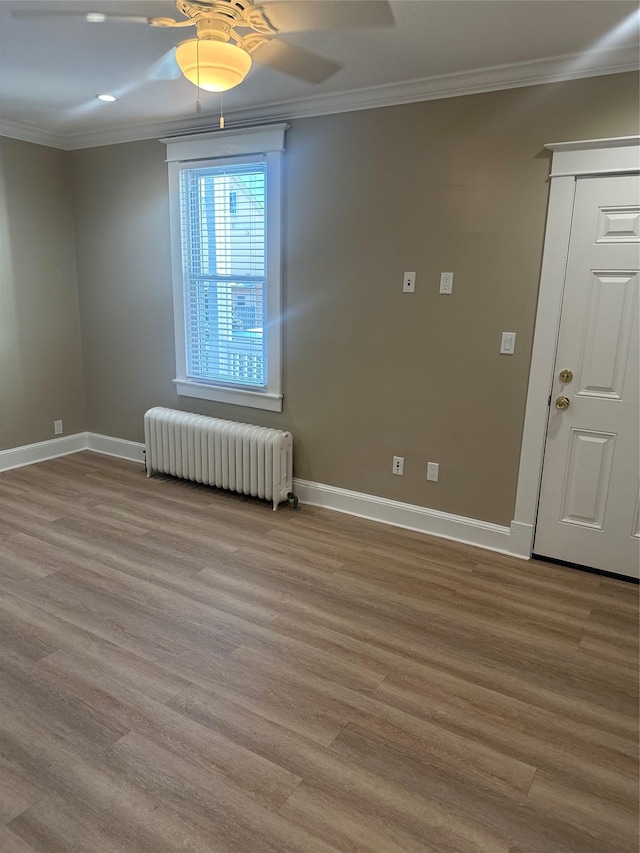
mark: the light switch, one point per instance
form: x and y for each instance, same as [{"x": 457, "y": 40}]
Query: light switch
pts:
[{"x": 508, "y": 345}]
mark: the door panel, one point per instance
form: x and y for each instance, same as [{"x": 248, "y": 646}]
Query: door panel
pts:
[
  {"x": 588, "y": 505},
  {"x": 588, "y": 477},
  {"x": 609, "y": 321},
  {"x": 618, "y": 225}
]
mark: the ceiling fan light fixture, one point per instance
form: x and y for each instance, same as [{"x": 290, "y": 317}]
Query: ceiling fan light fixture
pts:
[{"x": 213, "y": 65}]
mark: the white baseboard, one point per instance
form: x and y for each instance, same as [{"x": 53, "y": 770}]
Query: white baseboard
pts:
[
  {"x": 459, "y": 528},
  {"x": 41, "y": 451},
  {"x": 515, "y": 540},
  {"x": 120, "y": 447}
]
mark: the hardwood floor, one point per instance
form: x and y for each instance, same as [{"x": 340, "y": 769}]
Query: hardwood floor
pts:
[{"x": 186, "y": 670}]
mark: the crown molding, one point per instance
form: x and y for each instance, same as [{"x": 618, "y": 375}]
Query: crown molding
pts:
[
  {"x": 555, "y": 69},
  {"x": 517, "y": 75},
  {"x": 32, "y": 133}
]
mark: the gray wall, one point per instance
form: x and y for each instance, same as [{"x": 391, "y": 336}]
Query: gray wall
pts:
[
  {"x": 458, "y": 184},
  {"x": 40, "y": 355},
  {"x": 120, "y": 196}
]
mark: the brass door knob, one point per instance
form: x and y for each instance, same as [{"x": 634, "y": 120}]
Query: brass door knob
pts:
[
  {"x": 562, "y": 403},
  {"x": 566, "y": 375}
]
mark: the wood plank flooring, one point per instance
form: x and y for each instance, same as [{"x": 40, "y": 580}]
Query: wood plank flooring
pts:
[{"x": 186, "y": 670}]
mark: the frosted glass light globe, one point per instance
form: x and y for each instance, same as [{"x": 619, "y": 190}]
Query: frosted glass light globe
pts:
[{"x": 215, "y": 66}]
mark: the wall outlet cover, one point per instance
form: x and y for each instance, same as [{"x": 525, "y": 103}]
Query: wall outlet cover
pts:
[
  {"x": 409, "y": 282},
  {"x": 398, "y": 465},
  {"x": 446, "y": 283}
]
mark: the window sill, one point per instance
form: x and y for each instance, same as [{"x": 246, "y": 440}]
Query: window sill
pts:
[{"x": 236, "y": 396}]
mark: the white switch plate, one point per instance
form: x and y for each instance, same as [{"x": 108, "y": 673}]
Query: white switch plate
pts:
[
  {"x": 57, "y": 427},
  {"x": 508, "y": 344},
  {"x": 398, "y": 465},
  {"x": 433, "y": 471},
  {"x": 409, "y": 282},
  {"x": 446, "y": 282}
]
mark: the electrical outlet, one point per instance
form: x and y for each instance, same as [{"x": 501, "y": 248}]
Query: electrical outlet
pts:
[
  {"x": 409, "y": 282},
  {"x": 57, "y": 428},
  {"x": 398, "y": 465},
  {"x": 433, "y": 471},
  {"x": 446, "y": 282}
]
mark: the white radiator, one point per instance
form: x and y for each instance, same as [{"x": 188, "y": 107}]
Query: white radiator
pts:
[{"x": 252, "y": 460}]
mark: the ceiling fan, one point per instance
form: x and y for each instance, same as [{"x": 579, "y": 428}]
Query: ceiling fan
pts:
[{"x": 230, "y": 34}]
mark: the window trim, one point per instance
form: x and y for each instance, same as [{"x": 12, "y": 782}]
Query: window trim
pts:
[{"x": 217, "y": 146}]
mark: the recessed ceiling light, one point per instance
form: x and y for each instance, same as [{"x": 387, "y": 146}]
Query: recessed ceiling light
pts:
[
  {"x": 96, "y": 17},
  {"x": 107, "y": 98}
]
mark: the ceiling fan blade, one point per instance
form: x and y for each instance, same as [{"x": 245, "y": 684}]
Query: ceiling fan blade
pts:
[
  {"x": 297, "y": 16},
  {"x": 296, "y": 61},
  {"x": 90, "y": 17}
]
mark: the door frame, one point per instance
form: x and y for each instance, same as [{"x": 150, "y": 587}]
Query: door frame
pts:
[{"x": 570, "y": 161}]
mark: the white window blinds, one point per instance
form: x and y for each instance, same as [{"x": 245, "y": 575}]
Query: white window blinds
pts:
[{"x": 223, "y": 239}]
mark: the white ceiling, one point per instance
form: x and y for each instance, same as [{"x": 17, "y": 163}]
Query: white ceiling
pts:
[{"x": 52, "y": 67}]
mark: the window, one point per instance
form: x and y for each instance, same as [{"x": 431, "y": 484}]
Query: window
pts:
[
  {"x": 223, "y": 272},
  {"x": 225, "y": 197}
]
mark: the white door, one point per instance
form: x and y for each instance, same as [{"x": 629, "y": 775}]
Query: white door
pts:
[{"x": 588, "y": 508}]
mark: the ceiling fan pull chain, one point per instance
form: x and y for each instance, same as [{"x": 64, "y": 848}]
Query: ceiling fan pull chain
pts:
[{"x": 221, "y": 114}]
